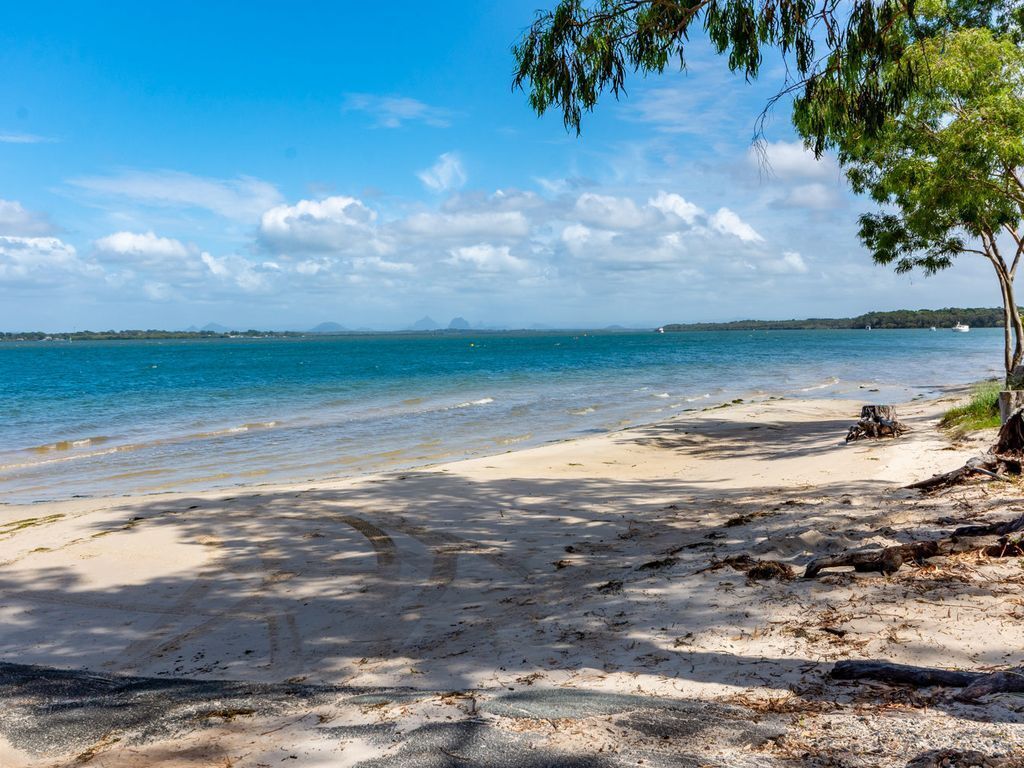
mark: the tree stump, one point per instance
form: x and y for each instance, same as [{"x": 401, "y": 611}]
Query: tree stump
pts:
[
  {"x": 1010, "y": 443},
  {"x": 876, "y": 421}
]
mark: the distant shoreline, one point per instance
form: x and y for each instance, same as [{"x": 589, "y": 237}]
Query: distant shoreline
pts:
[{"x": 975, "y": 317}]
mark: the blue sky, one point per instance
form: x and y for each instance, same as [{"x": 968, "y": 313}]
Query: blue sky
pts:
[{"x": 277, "y": 165}]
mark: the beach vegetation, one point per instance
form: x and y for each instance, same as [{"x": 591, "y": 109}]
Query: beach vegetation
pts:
[{"x": 980, "y": 412}]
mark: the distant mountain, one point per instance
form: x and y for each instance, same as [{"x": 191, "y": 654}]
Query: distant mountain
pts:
[
  {"x": 425, "y": 323},
  {"x": 215, "y": 328},
  {"x": 328, "y": 328},
  {"x": 192, "y": 329},
  {"x": 459, "y": 324}
]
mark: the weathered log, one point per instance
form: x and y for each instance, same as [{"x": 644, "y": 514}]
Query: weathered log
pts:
[
  {"x": 974, "y": 684},
  {"x": 876, "y": 421},
  {"x": 885, "y": 561},
  {"x": 992, "y": 539},
  {"x": 995, "y": 467}
]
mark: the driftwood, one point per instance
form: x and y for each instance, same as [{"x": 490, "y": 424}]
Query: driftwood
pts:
[
  {"x": 1003, "y": 459},
  {"x": 989, "y": 465},
  {"x": 974, "y": 684},
  {"x": 876, "y": 421},
  {"x": 994, "y": 540}
]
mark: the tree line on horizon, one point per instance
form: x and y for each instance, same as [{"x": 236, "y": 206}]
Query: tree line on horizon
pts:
[{"x": 976, "y": 317}]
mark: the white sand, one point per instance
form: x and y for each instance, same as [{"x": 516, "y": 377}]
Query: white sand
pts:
[{"x": 486, "y": 574}]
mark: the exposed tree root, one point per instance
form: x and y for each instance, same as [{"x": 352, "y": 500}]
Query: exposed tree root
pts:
[
  {"x": 974, "y": 685},
  {"x": 994, "y": 540},
  {"x": 1003, "y": 459}
]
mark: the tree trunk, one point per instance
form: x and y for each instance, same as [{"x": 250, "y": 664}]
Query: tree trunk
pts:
[
  {"x": 1009, "y": 402},
  {"x": 1018, "y": 327}
]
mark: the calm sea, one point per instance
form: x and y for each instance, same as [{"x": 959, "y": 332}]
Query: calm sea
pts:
[{"x": 91, "y": 418}]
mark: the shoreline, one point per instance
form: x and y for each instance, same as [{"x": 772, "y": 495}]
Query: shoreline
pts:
[
  {"x": 588, "y": 566},
  {"x": 728, "y": 399}
]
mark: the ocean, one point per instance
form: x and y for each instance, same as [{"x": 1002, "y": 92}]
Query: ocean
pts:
[{"x": 120, "y": 417}]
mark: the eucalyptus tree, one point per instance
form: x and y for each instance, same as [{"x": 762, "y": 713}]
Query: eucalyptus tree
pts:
[
  {"x": 844, "y": 59},
  {"x": 921, "y": 99},
  {"x": 948, "y": 169}
]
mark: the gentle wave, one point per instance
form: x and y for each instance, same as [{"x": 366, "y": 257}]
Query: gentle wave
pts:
[
  {"x": 830, "y": 382},
  {"x": 67, "y": 445},
  {"x": 471, "y": 403}
]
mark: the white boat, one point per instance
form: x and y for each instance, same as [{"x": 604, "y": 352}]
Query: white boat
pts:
[
  {"x": 934, "y": 328},
  {"x": 961, "y": 328},
  {"x": 867, "y": 327},
  {"x": 660, "y": 330}
]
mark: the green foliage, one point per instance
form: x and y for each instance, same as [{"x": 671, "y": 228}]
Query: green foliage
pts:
[
  {"x": 980, "y": 412},
  {"x": 845, "y": 61},
  {"x": 901, "y": 318}
]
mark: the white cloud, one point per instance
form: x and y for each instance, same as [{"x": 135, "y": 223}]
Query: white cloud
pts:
[
  {"x": 16, "y": 221},
  {"x": 470, "y": 224},
  {"x": 791, "y": 160},
  {"x": 794, "y": 262},
  {"x": 729, "y": 223},
  {"x": 24, "y": 138},
  {"x": 670, "y": 203},
  {"x": 40, "y": 260},
  {"x": 487, "y": 258},
  {"x": 395, "y": 111},
  {"x": 144, "y": 247},
  {"x": 609, "y": 212},
  {"x": 444, "y": 175},
  {"x": 816, "y": 196},
  {"x": 237, "y": 271},
  {"x": 244, "y": 198},
  {"x": 332, "y": 224}
]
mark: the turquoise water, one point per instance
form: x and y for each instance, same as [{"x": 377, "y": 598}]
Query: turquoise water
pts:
[{"x": 91, "y": 418}]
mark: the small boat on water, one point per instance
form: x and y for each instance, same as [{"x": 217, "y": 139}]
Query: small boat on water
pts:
[
  {"x": 660, "y": 330},
  {"x": 934, "y": 328},
  {"x": 961, "y": 328},
  {"x": 867, "y": 327}
]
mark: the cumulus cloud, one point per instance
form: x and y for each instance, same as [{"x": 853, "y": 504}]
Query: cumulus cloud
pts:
[
  {"x": 672, "y": 204},
  {"x": 729, "y": 223},
  {"x": 40, "y": 260},
  {"x": 332, "y": 224},
  {"x": 144, "y": 247},
  {"x": 609, "y": 212},
  {"x": 444, "y": 175},
  {"x": 236, "y": 271},
  {"x": 243, "y": 198},
  {"x": 16, "y": 221},
  {"x": 487, "y": 258},
  {"x": 396, "y": 111}
]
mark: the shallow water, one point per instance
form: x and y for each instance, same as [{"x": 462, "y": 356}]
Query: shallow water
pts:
[{"x": 91, "y": 418}]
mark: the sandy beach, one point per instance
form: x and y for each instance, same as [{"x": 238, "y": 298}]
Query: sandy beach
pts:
[{"x": 562, "y": 605}]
